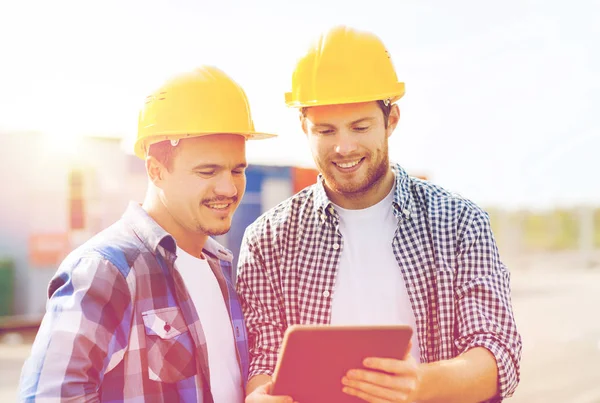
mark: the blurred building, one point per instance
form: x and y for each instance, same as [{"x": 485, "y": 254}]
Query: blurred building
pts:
[
  {"x": 56, "y": 196},
  {"x": 59, "y": 195}
]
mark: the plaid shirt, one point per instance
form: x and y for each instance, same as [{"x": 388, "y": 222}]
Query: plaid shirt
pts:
[
  {"x": 120, "y": 325},
  {"x": 458, "y": 287}
]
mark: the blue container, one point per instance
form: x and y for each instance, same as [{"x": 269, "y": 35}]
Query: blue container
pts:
[{"x": 265, "y": 187}]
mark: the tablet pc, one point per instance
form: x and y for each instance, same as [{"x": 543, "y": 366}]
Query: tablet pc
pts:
[{"x": 314, "y": 358}]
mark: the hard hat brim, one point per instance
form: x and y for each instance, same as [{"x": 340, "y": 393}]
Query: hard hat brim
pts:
[
  {"x": 393, "y": 96},
  {"x": 142, "y": 143}
]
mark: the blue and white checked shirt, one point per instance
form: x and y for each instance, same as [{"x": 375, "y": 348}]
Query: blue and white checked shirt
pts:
[
  {"x": 458, "y": 287},
  {"x": 120, "y": 325}
]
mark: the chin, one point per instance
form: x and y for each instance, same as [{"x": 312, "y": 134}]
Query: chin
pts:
[
  {"x": 347, "y": 186},
  {"x": 219, "y": 230}
]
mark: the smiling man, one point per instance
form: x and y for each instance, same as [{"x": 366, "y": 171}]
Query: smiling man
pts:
[
  {"x": 146, "y": 310},
  {"x": 368, "y": 244}
]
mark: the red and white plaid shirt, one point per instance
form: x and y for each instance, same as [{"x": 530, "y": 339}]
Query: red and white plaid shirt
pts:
[
  {"x": 458, "y": 287},
  {"x": 120, "y": 325}
]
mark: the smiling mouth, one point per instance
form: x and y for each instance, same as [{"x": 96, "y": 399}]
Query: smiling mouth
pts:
[
  {"x": 348, "y": 164},
  {"x": 220, "y": 206}
]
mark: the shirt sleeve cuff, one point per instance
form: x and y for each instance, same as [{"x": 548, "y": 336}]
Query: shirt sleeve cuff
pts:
[
  {"x": 258, "y": 370},
  {"x": 508, "y": 370}
]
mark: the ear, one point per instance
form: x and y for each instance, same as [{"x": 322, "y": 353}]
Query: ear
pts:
[
  {"x": 303, "y": 123},
  {"x": 393, "y": 119},
  {"x": 155, "y": 170}
]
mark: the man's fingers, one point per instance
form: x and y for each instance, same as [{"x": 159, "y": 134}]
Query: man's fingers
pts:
[
  {"x": 263, "y": 394},
  {"x": 398, "y": 383},
  {"x": 376, "y": 391},
  {"x": 399, "y": 367},
  {"x": 264, "y": 398},
  {"x": 363, "y": 395}
]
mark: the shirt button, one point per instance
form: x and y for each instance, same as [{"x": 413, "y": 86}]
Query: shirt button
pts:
[
  {"x": 326, "y": 294},
  {"x": 406, "y": 212},
  {"x": 336, "y": 246},
  {"x": 323, "y": 217}
]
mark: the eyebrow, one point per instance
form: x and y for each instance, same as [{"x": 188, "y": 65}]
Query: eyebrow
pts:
[
  {"x": 217, "y": 166},
  {"x": 361, "y": 120}
]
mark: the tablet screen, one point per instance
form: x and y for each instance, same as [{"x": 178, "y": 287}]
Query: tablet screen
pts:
[{"x": 313, "y": 359}]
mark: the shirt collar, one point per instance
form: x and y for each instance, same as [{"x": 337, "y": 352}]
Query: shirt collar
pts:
[
  {"x": 149, "y": 232},
  {"x": 214, "y": 248},
  {"x": 402, "y": 203},
  {"x": 153, "y": 235}
]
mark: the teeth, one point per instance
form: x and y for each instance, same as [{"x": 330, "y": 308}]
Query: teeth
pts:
[
  {"x": 347, "y": 164},
  {"x": 218, "y": 206}
]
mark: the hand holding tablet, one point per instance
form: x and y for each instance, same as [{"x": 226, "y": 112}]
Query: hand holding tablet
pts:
[{"x": 314, "y": 359}]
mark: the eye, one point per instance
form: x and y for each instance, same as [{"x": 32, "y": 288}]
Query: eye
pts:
[
  {"x": 361, "y": 128},
  {"x": 205, "y": 173},
  {"x": 324, "y": 132},
  {"x": 238, "y": 171}
]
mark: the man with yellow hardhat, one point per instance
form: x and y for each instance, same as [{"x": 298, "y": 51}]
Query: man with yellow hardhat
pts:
[
  {"x": 146, "y": 310},
  {"x": 370, "y": 245}
]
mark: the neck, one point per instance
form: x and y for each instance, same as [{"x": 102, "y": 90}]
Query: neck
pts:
[
  {"x": 366, "y": 198},
  {"x": 190, "y": 241}
]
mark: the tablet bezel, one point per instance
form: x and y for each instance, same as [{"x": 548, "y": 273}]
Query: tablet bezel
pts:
[{"x": 300, "y": 336}]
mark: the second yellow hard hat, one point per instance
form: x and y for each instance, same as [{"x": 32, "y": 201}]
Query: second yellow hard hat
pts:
[{"x": 345, "y": 65}]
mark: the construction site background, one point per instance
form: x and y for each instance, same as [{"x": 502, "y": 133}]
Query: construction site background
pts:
[{"x": 52, "y": 205}]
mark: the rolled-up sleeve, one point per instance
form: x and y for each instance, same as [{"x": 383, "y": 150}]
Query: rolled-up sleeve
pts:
[
  {"x": 87, "y": 320},
  {"x": 260, "y": 305},
  {"x": 484, "y": 308}
]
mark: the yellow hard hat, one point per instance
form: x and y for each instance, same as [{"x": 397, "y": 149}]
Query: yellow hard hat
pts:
[
  {"x": 197, "y": 103},
  {"x": 344, "y": 66}
]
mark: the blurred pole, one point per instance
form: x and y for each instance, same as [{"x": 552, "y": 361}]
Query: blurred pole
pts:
[
  {"x": 510, "y": 229},
  {"x": 586, "y": 236},
  {"x": 554, "y": 231}
]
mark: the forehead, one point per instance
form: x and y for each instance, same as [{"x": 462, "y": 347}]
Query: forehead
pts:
[
  {"x": 330, "y": 114},
  {"x": 220, "y": 149}
]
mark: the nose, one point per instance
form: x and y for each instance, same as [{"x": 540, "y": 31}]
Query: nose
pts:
[
  {"x": 345, "y": 143},
  {"x": 225, "y": 186}
]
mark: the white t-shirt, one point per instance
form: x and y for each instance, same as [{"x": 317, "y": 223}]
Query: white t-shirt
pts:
[
  {"x": 202, "y": 285},
  {"x": 369, "y": 287}
]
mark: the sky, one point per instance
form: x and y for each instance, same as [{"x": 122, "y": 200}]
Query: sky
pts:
[{"x": 501, "y": 101}]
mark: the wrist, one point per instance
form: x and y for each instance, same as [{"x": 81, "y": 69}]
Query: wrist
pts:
[
  {"x": 426, "y": 390},
  {"x": 257, "y": 381},
  {"x": 470, "y": 377}
]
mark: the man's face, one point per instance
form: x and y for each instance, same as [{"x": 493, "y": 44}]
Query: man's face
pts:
[
  {"x": 206, "y": 182},
  {"x": 349, "y": 143}
]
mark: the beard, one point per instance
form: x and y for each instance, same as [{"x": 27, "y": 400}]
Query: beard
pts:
[
  {"x": 354, "y": 187},
  {"x": 222, "y": 225},
  {"x": 213, "y": 230}
]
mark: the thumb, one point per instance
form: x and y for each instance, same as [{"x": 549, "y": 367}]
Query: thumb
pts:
[
  {"x": 265, "y": 388},
  {"x": 408, "y": 350}
]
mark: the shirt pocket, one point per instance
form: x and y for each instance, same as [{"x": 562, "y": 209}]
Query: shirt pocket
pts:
[{"x": 169, "y": 345}]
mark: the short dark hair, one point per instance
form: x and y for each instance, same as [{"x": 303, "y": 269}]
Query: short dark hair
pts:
[
  {"x": 385, "y": 106},
  {"x": 164, "y": 152}
]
